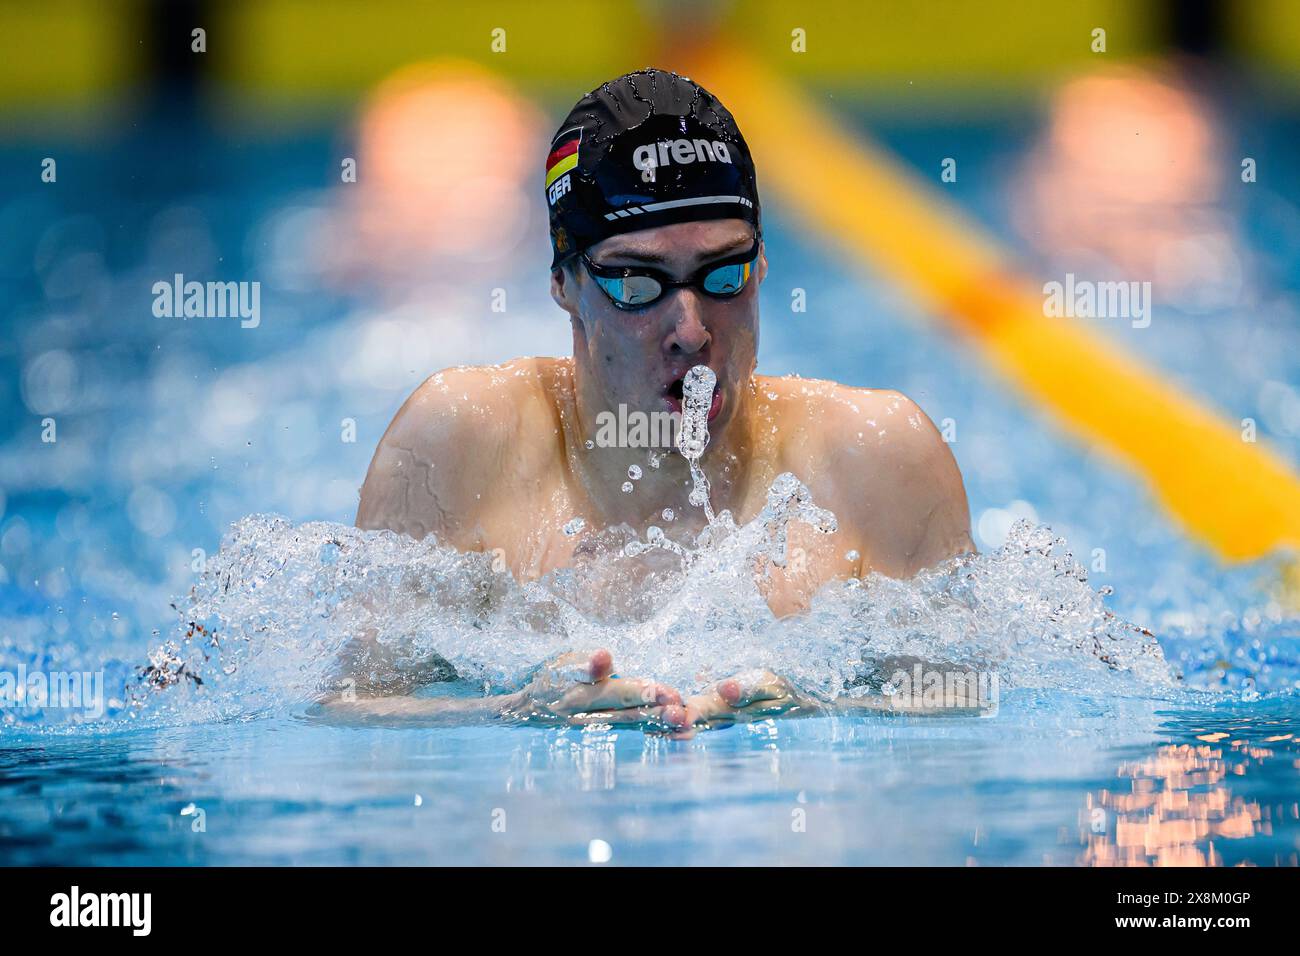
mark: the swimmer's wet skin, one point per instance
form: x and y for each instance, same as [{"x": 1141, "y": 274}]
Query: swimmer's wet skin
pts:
[{"x": 658, "y": 256}]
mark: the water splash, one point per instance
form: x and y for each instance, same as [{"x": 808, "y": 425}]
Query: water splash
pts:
[
  {"x": 693, "y": 435},
  {"x": 284, "y": 614},
  {"x": 281, "y": 605}
]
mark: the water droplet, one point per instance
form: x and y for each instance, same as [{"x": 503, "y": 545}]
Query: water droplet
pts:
[
  {"x": 627, "y": 487},
  {"x": 668, "y": 514},
  {"x": 574, "y": 525},
  {"x": 634, "y": 472}
]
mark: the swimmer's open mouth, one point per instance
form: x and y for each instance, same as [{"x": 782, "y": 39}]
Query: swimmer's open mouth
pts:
[{"x": 673, "y": 395}]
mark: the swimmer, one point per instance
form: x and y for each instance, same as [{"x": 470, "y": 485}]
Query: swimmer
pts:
[{"x": 658, "y": 257}]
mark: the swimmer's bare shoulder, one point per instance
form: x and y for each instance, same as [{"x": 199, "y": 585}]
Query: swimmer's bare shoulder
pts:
[
  {"x": 456, "y": 450},
  {"x": 879, "y": 463}
]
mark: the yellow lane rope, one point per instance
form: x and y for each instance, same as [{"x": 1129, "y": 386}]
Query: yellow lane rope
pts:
[{"x": 1237, "y": 497}]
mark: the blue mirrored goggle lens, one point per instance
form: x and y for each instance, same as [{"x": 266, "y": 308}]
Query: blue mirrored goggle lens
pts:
[
  {"x": 727, "y": 280},
  {"x": 638, "y": 290},
  {"x": 631, "y": 290}
]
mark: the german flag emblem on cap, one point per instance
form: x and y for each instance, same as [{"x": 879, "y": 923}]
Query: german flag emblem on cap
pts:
[{"x": 564, "y": 154}]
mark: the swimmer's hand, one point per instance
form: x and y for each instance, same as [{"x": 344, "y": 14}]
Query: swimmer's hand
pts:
[
  {"x": 752, "y": 695},
  {"x": 577, "y": 689}
]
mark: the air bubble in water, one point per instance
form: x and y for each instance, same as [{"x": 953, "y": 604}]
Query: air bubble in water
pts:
[
  {"x": 634, "y": 472},
  {"x": 627, "y": 487}
]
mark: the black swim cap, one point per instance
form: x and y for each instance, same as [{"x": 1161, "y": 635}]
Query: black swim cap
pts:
[{"x": 647, "y": 149}]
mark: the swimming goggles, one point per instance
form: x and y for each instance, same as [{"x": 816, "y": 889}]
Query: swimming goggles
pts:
[{"x": 635, "y": 287}]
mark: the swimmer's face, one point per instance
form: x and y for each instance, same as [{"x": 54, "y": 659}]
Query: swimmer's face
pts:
[{"x": 637, "y": 358}]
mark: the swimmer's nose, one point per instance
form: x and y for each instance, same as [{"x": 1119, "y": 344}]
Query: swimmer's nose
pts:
[{"x": 689, "y": 336}]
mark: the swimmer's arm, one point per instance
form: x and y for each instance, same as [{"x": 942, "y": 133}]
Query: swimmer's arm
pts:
[
  {"x": 711, "y": 710},
  {"x": 368, "y": 667},
  {"x": 437, "y": 458},
  {"x": 896, "y": 482},
  {"x": 413, "y": 711},
  {"x": 575, "y": 688},
  {"x": 955, "y": 703},
  {"x": 943, "y": 514},
  {"x": 763, "y": 695}
]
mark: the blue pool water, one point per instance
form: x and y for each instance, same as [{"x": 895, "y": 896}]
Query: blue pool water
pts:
[
  {"x": 169, "y": 431},
  {"x": 1019, "y": 789}
]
